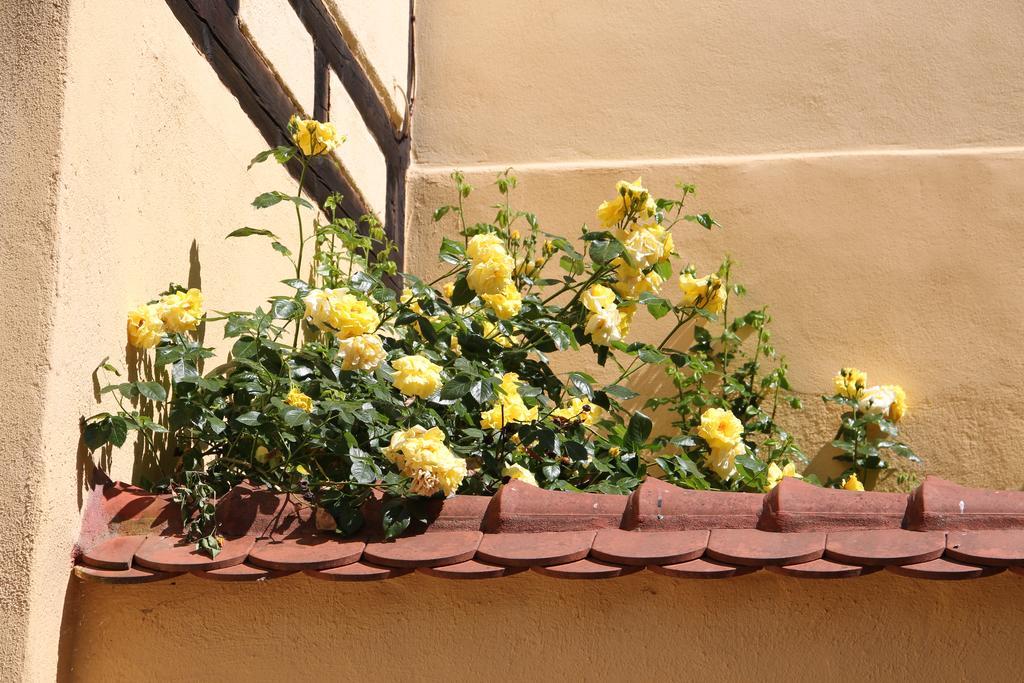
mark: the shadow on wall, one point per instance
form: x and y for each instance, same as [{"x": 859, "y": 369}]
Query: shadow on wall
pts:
[
  {"x": 153, "y": 455},
  {"x": 530, "y": 627}
]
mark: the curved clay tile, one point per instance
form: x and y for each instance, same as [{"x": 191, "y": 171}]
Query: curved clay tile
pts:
[
  {"x": 938, "y": 504},
  {"x": 586, "y": 569},
  {"x": 943, "y": 569},
  {"x": 175, "y": 554},
  {"x": 701, "y": 569},
  {"x": 659, "y": 506},
  {"x": 822, "y": 569},
  {"x": 133, "y": 575},
  {"x": 240, "y": 572},
  {"x": 113, "y": 553},
  {"x": 1000, "y": 548},
  {"x": 640, "y": 548},
  {"x": 535, "y": 549},
  {"x": 885, "y": 546},
  {"x": 755, "y": 548},
  {"x": 795, "y": 505},
  {"x": 358, "y": 571},
  {"x": 470, "y": 569},
  {"x": 520, "y": 508},
  {"x": 433, "y": 549},
  {"x": 306, "y": 552}
]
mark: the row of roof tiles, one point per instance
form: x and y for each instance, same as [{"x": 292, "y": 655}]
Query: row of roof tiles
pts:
[{"x": 940, "y": 531}]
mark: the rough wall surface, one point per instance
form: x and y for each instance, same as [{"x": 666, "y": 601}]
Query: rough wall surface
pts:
[
  {"x": 529, "y": 627},
  {"x": 866, "y": 162},
  {"x": 867, "y": 167},
  {"x": 32, "y": 65}
]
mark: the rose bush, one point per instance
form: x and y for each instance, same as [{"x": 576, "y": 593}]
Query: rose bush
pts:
[{"x": 360, "y": 378}]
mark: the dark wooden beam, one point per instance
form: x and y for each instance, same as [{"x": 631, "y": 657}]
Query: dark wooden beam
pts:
[
  {"x": 213, "y": 27},
  {"x": 321, "y": 86}
]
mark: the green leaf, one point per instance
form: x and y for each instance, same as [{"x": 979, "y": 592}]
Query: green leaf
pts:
[
  {"x": 118, "y": 430},
  {"x": 462, "y": 294},
  {"x": 251, "y": 418},
  {"x": 604, "y": 250},
  {"x": 364, "y": 470},
  {"x": 581, "y": 382},
  {"x": 285, "y": 309},
  {"x": 396, "y": 518},
  {"x": 638, "y": 430},
  {"x": 440, "y": 212},
  {"x": 620, "y": 392},
  {"x": 268, "y": 199},
  {"x": 154, "y": 391},
  {"x": 97, "y": 433},
  {"x": 703, "y": 220},
  {"x": 456, "y": 388},
  {"x": 281, "y": 154},
  {"x": 246, "y": 232},
  {"x": 294, "y": 417},
  {"x": 280, "y": 248}
]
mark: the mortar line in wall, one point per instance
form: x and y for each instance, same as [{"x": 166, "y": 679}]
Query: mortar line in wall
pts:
[{"x": 719, "y": 159}]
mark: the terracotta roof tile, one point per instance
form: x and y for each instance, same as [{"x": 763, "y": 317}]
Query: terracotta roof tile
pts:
[
  {"x": 795, "y": 505},
  {"x": 359, "y": 571},
  {"x": 702, "y": 569},
  {"x": 425, "y": 550},
  {"x": 822, "y": 569},
  {"x": 942, "y": 569},
  {"x": 641, "y": 549},
  {"x": 471, "y": 569},
  {"x": 173, "y": 554},
  {"x": 586, "y": 569},
  {"x": 305, "y": 552},
  {"x": 535, "y": 549},
  {"x": 941, "y": 531},
  {"x": 999, "y": 548},
  {"x": 754, "y": 548},
  {"x": 240, "y": 572},
  {"x": 885, "y": 546}
]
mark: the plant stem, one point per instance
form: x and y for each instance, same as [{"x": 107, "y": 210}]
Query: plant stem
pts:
[{"x": 302, "y": 244}]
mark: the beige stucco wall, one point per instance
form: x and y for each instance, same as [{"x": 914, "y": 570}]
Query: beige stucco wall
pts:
[{"x": 866, "y": 162}]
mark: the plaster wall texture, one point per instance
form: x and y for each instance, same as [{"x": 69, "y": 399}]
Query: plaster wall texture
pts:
[
  {"x": 532, "y": 628},
  {"x": 865, "y": 160},
  {"x": 828, "y": 139},
  {"x": 149, "y": 177}
]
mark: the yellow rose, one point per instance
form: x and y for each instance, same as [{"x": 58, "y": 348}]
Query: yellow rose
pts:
[
  {"x": 707, "y": 292},
  {"x": 297, "y": 399},
  {"x": 506, "y": 304},
  {"x": 362, "y": 352},
  {"x": 485, "y": 246},
  {"x": 850, "y": 382},
  {"x": 604, "y": 326},
  {"x": 598, "y": 297},
  {"x": 416, "y": 376},
  {"x": 646, "y": 245},
  {"x": 579, "y": 410},
  {"x": 631, "y": 196},
  {"x": 182, "y": 311},
  {"x": 777, "y": 474},
  {"x": 455, "y": 346},
  {"x": 899, "y": 407},
  {"x": 145, "y": 328},
  {"x": 313, "y": 137},
  {"x": 421, "y": 455},
  {"x": 341, "y": 312},
  {"x": 448, "y": 289},
  {"x": 626, "y": 319},
  {"x": 852, "y": 484},
  {"x": 493, "y": 332},
  {"x": 720, "y": 429},
  {"x": 491, "y": 275},
  {"x": 631, "y": 283},
  {"x": 722, "y": 461},
  {"x": 509, "y": 407},
  {"x": 519, "y": 473}
]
